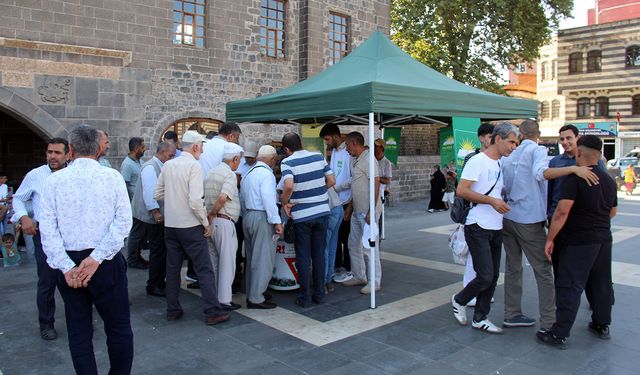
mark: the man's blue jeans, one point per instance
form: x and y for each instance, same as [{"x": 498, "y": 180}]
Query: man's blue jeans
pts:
[
  {"x": 333, "y": 229},
  {"x": 310, "y": 244}
]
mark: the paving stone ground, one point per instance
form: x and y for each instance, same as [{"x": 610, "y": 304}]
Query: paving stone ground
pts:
[{"x": 429, "y": 341}]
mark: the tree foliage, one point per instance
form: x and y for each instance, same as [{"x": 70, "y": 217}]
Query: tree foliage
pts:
[{"x": 471, "y": 40}]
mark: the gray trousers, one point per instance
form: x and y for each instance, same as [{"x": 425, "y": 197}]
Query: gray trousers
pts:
[
  {"x": 260, "y": 254},
  {"x": 358, "y": 255},
  {"x": 223, "y": 245},
  {"x": 530, "y": 240},
  {"x": 192, "y": 242}
]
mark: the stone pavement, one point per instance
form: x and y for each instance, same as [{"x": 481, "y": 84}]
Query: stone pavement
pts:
[{"x": 411, "y": 332}]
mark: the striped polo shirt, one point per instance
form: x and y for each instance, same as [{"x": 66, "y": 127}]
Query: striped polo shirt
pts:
[{"x": 308, "y": 171}]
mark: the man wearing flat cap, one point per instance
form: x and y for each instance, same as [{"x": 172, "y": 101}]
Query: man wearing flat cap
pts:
[
  {"x": 187, "y": 227},
  {"x": 223, "y": 210},
  {"x": 582, "y": 222}
]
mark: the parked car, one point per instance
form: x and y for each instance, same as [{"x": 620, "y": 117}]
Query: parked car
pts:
[{"x": 616, "y": 167}]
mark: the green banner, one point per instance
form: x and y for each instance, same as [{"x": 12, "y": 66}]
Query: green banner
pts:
[
  {"x": 392, "y": 140},
  {"x": 447, "y": 142},
  {"x": 311, "y": 140},
  {"x": 465, "y": 134}
]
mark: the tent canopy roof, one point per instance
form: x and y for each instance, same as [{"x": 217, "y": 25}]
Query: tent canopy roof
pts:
[{"x": 378, "y": 77}]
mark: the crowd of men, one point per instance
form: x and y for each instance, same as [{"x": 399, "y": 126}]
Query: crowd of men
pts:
[
  {"x": 205, "y": 200},
  {"x": 512, "y": 203},
  {"x": 218, "y": 206}
]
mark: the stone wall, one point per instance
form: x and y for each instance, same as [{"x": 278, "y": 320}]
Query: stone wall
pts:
[
  {"x": 419, "y": 140},
  {"x": 411, "y": 177},
  {"x": 113, "y": 64}
]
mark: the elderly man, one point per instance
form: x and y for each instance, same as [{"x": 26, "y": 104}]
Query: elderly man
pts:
[
  {"x": 32, "y": 189},
  {"x": 358, "y": 209},
  {"x": 104, "y": 149},
  {"x": 223, "y": 206},
  {"x": 214, "y": 148},
  {"x": 384, "y": 166},
  {"x": 481, "y": 183},
  {"x": 148, "y": 219},
  {"x": 186, "y": 228},
  {"x": 88, "y": 254},
  {"x": 260, "y": 222},
  {"x": 306, "y": 178}
]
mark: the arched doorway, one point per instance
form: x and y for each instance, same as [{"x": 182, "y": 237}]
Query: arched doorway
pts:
[{"x": 202, "y": 125}]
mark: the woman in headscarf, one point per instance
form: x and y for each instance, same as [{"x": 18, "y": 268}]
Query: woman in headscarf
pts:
[{"x": 438, "y": 185}]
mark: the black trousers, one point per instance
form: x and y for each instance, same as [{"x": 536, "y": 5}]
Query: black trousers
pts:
[
  {"x": 190, "y": 241},
  {"x": 47, "y": 281},
  {"x": 310, "y": 242},
  {"x": 157, "y": 255},
  {"x": 485, "y": 247},
  {"x": 342, "y": 252},
  {"x": 107, "y": 290},
  {"x": 583, "y": 266},
  {"x": 237, "y": 280},
  {"x": 137, "y": 238}
]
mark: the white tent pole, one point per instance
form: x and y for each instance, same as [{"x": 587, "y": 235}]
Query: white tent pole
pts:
[
  {"x": 372, "y": 213},
  {"x": 383, "y": 223}
]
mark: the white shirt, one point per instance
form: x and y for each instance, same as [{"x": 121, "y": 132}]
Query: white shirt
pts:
[
  {"x": 212, "y": 155},
  {"x": 4, "y": 192},
  {"x": 340, "y": 164},
  {"x": 31, "y": 188},
  {"x": 484, "y": 172},
  {"x": 84, "y": 206},
  {"x": 258, "y": 192},
  {"x": 243, "y": 168},
  {"x": 149, "y": 179}
]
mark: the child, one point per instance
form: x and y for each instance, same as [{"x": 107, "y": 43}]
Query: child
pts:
[
  {"x": 449, "y": 190},
  {"x": 10, "y": 254}
]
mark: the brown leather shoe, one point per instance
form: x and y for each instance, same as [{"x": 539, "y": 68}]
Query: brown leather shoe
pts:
[
  {"x": 213, "y": 320},
  {"x": 174, "y": 315}
]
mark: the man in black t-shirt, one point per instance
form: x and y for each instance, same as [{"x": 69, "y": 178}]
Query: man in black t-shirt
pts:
[{"x": 584, "y": 214}]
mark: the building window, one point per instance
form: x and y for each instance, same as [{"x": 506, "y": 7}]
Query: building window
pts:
[
  {"x": 555, "y": 109},
  {"x": 633, "y": 56},
  {"x": 594, "y": 61},
  {"x": 520, "y": 68},
  {"x": 584, "y": 107},
  {"x": 188, "y": 22},
  {"x": 602, "y": 106},
  {"x": 545, "y": 110},
  {"x": 554, "y": 69},
  {"x": 338, "y": 37},
  {"x": 635, "y": 105},
  {"x": 201, "y": 125},
  {"x": 575, "y": 62},
  {"x": 272, "y": 28},
  {"x": 543, "y": 71}
]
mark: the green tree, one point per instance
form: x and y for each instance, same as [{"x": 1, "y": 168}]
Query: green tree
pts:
[{"x": 471, "y": 40}]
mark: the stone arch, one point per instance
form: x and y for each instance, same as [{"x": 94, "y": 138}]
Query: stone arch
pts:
[
  {"x": 171, "y": 118},
  {"x": 37, "y": 119}
]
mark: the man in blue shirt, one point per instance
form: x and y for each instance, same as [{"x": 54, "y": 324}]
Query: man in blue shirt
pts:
[
  {"x": 306, "y": 178},
  {"x": 525, "y": 173}
]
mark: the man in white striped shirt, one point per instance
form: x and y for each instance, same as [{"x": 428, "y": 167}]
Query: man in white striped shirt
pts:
[{"x": 32, "y": 188}]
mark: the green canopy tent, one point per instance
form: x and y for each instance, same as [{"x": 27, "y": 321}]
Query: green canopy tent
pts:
[{"x": 378, "y": 83}]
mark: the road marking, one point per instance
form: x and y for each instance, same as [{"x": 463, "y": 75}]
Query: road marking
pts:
[
  {"x": 626, "y": 214},
  {"x": 625, "y": 274},
  {"x": 322, "y": 333}
]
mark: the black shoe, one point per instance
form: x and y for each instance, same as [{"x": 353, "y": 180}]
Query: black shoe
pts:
[
  {"x": 48, "y": 333},
  {"x": 230, "y": 307},
  {"x": 317, "y": 300},
  {"x": 174, "y": 315},
  {"x": 600, "y": 330},
  {"x": 263, "y": 305},
  {"x": 267, "y": 296},
  {"x": 301, "y": 303},
  {"x": 193, "y": 285},
  {"x": 143, "y": 261},
  {"x": 156, "y": 292},
  {"x": 548, "y": 338}
]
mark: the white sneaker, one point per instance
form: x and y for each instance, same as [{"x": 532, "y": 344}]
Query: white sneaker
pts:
[
  {"x": 459, "y": 311},
  {"x": 487, "y": 326},
  {"x": 190, "y": 279},
  {"x": 340, "y": 278}
]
